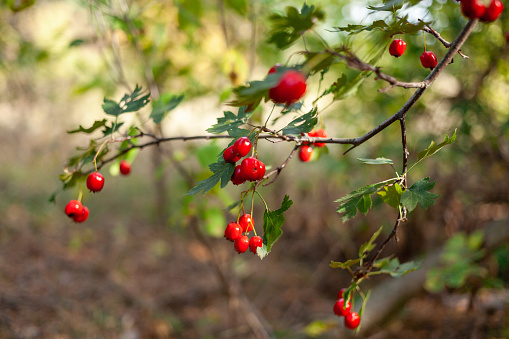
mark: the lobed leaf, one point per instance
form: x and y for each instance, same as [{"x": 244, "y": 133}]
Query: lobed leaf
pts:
[
  {"x": 419, "y": 193},
  {"x": 230, "y": 122},
  {"x": 129, "y": 103},
  {"x": 357, "y": 200},
  {"x": 391, "y": 195},
  {"x": 222, "y": 172},
  {"x": 302, "y": 124},
  {"x": 97, "y": 124},
  {"x": 396, "y": 269},
  {"x": 287, "y": 28},
  {"x": 344, "y": 265},
  {"x": 433, "y": 147}
]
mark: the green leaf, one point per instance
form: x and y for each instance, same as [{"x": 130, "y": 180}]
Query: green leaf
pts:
[
  {"x": 129, "y": 103},
  {"x": 391, "y": 195},
  {"x": 344, "y": 265},
  {"x": 162, "y": 106},
  {"x": 230, "y": 122},
  {"x": 377, "y": 161},
  {"x": 254, "y": 92},
  {"x": 370, "y": 245},
  {"x": 302, "y": 124},
  {"x": 240, "y": 6},
  {"x": 318, "y": 328},
  {"x": 357, "y": 200},
  {"x": 400, "y": 26},
  {"x": 97, "y": 124},
  {"x": 272, "y": 223},
  {"x": 189, "y": 14},
  {"x": 222, "y": 172},
  {"x": 286, "y": 29},
  {"x": 433, "y": 148},
  {"x": 419, "y": 193},
  {"x": 363, "y": 307},
  {"x": 108, "y": 130},
  {"x": 396, "y": 270}
]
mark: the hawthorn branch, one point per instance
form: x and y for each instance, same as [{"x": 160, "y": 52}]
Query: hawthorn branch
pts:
[
  {"x": 278, "y": 170},
  {"x": 444, "y": 42}
]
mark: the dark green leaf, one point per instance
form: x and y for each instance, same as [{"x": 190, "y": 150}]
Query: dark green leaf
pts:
[
  {"x": 419, "y": 193},
  {"x": 97, "y": 124},
  {"x": 286, "y": 29},
  {"x": 222, "y": 171},
  {"x": 304, "y": 123},
  {"x": 272, "y": 223},
  {"x": 240, "y": 6},
  {"x": 357, "y": 200},
  {"x": 230, "y": 121},
  {"x": 163, "y": 105},
  {"x": 189, "y": 14},
  {"x": 76, "y": 42},
  {"x": 129, "y": 103}
]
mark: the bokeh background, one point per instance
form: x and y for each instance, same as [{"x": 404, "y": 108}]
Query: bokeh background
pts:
[{"x": 151, "y": 262}]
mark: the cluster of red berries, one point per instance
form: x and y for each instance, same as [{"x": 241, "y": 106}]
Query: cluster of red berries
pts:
[
  {"x": 250, "y": 169},
  {"x": 234, "y": 232},
  {"x": 306, "y": 151},
  {"x": 95, "y": 183},
  {"x": 428, "y": 58},
  {"x": 475, "y": 9},
  {"x": 290, "y": 88},
  {"x": 352, "y": 319}
]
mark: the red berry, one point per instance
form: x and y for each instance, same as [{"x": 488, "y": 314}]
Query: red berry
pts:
[
  {"x": 493, "y": 11},
  {"x": 397, "y": 48},
  {"x": 95, "y": 182},
  {"x": 352, "y": 320},
  {"x": 339, "y": 310},
  {"x": 274, "y": 68},
  {"x": 237, "y": 177},
  {"x": 230, "y": 156},
  {"x": 305, "y": 153},
  {"x": 507, "y": 37},
  {"x": 252, "y": 169},
  {"x": 74, "y": 207},
  {"x": 340, "y": 293},
  {"x": 81, "y": 217},
  {"x": 232, "y": 231},
  {"x": 125, "y": 167},
  {"x": 472, "y": 9},
  {"x": 319, "y": 133},
  {"x": 290, "y": 88},
  {"x": 242, "y": 146},
  {"x": 428, "y": 60},
  {"x": 246, "y": 222},
  {"x": 254, "y": 243},
  {"x": 241, "y": 244}
]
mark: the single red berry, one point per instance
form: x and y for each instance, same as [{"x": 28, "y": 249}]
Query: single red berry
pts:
[
  {"x": 507, "y": 37},
  {"x": 290, "y": 88},
  {"x": 352, "y": 320},
  {"x": 232, "y": 231},
  {"x": 472, "y": 9},
  {"x": 74, "y": 207},
  {"x": 397, "y": 48},
  {"x": 246, "y": 222},
  {"x": 274, "y": 68},
  {"x": 252, "y": 169},
  {"x": 254, "y": 243},
  {"x": 242, "y": 146},
  {"x": 125, "y": 167},
  {"x": 305, "y": 153},
  {"x": 428, "y": 60},
  {"x": 81, "y": 217},
  {"x": 493, "y": 11},
  {"x": 319, "y": 133},
  {"x": 340, "y": 293},
  {"x": 95, "y": 182},
  {"x": 237, "y": 177},
  {"x": 338, "y": 307},
  {"x": 260, "y": 170},
  {"x": 241, "y": 244},
  {"x": 230, "y": 156}
]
